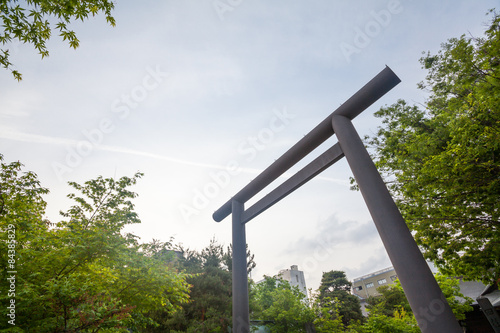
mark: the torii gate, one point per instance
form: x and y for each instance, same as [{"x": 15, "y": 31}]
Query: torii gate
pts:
[{"x": 428, "y": 303}]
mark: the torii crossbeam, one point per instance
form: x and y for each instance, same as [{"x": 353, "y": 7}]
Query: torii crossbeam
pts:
[{"x": 428, "y": 303}]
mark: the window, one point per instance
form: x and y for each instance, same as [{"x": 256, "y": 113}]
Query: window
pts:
[
  {"x": 358, "y": 288},
  {"x": 297, "y": 278},
  {"x": 382, "y": 281},
  {"x": 369, "y": 285},
  {"x": 394, "y": 277}
]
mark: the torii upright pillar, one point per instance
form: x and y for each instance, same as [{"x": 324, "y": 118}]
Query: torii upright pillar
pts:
[
  {"x": 428, "y": 303},
  {"x": 241, "y": 319}
]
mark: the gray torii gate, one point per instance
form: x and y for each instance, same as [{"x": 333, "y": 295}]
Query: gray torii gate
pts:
[{"x": 428, "y": 303}]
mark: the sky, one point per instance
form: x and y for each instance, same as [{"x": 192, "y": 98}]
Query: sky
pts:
[{"x": 202, "y": 96}]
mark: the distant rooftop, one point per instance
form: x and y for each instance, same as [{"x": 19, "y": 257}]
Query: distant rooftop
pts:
[
  {"x": 292, "y": 268},
  {"x": 388, "y": 269}
]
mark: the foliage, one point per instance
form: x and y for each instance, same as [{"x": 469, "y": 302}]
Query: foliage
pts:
[
  {"x": 392, "y": 310},
  {"x": 442, "y": 162},
  {"x": 392, "y": 298},
  {"x": 335, "y": 296},
  {"x": 21, "y": 203},
  {"x": 285, "y": 307},
  {"x": 328, "y": 318},
  {"x": 459, "y": 303},
  {"x": 389, "y": 312},
  {"x": 81, "y": 274},
  {"x": 210, "y": 307},
  {"x": 228, "y": 259},
  {"x": 30, "y": 23},
  {"x": 333, "y": 281},
  {"x": 401, "y": 322}
]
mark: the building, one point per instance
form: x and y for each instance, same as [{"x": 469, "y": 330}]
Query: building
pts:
[
  {"x": 294, "y": 277},
  {"x": 366, "y": 285},
  {"x": 485, "y": 316}
]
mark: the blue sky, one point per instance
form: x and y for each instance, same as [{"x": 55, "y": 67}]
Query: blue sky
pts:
[{"x": 203, "y": 95}]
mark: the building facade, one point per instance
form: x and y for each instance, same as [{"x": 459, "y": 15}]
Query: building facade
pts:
[
  {"x": 295, "y": 278},
  {"x": 366, "y": 285}
]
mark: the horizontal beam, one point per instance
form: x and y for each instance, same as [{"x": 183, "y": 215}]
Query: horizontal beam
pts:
[
  {"x": 306, "y": 145},
  {"x": 310, "y": 171},
  {"x": 366, "y": 96}
]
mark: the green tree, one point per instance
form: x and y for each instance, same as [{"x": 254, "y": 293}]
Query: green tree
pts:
[
  {"x": 441, "y": 161},
  {"x": 400, "y": 322},
  {"x": 80, "y": 274},
  {"x": 210, "y": 309},
  {"x": 210, "y": 306},
  {"x": 391, "y": 298},
  {"x": 335, "y": 295},
  {"x": 459, "y": 303},
  {"x": 391, "y": 312},
  {"x": 284, "y": 307},
  {"x": 228, "y": 259},
  {"x": 30, "y": 22},
  {"x": 328, "y": 318}
]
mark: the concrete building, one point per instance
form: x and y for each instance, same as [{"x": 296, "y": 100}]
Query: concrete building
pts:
[
  {"x": 366, "y": 285},
  {"x": 295, "y": 278}
]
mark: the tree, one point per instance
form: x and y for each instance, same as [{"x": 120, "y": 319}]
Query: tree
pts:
[
  {"x": 459, "y": 304},
  {"x": 400, "y": 322},
  {"x": 442, "y": 161},
  {"x": 210, "y": 306},
  {"x": 392, "y": 298},
  {"x": 80, "y": 274},
  {"x": 284, "y": 307},
  {"x": 328, "y": 320},
  {"x": 210, "y": 309},
  {"x": 391, "y": 312},
  {"x": 228, "y": 259},
  {"x": 31, "y": 24},
  {"x": 335, "y": 295}
]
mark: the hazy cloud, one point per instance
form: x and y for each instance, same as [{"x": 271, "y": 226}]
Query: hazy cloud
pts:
[{"x": 334, "y": 233}]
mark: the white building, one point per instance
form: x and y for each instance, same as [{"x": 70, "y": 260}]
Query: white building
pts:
[{"x": 295, "y": 278}]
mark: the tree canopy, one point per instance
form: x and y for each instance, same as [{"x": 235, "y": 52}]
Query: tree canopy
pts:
[
  {"x": 335, "y": 295},
  {"x": 391, "y": 312},
  {"x": 210, "y": 306},
  {"x": 82, "y": 273},
  {"x": 32, "y": 22},
  {"x": 392, "y": 298},
  {"x": 284, "y": 307},
  {"x": 442, "y": 160}
]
